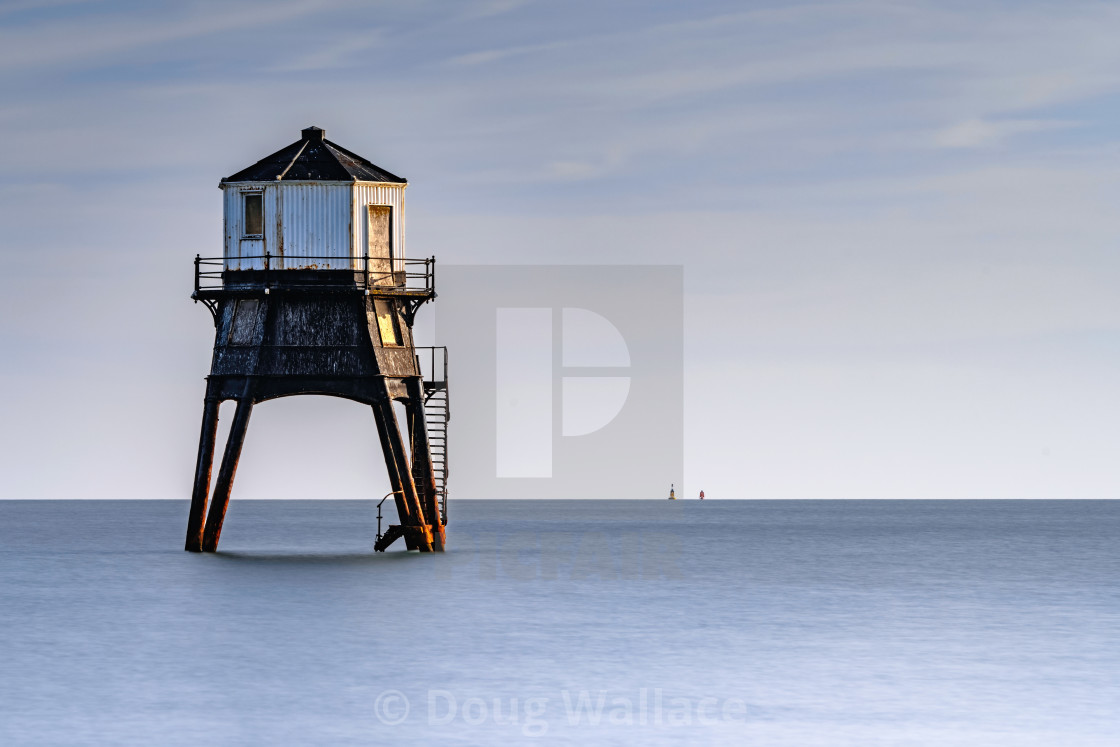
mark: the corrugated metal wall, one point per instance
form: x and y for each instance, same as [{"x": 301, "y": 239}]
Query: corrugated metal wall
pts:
[
  {"x": 310, "y": 219},
  {"x": 314, "y": 223},
  {"x": 237, "y": 247},
  {"x": 366, "y": 194}
]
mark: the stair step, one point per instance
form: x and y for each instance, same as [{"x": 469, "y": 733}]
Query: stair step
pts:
[{"x": 437, "y": 414}]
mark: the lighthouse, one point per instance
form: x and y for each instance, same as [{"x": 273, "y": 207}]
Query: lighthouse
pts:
[{"x": 314, "y": 294}]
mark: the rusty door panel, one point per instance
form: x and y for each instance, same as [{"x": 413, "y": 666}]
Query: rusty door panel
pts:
[{"x": 381, "y": 244}]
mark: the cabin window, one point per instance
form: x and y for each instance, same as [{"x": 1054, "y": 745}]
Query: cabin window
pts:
[
  {"x": 387, "y": 324},
  {"x": 254, "y": 214}
]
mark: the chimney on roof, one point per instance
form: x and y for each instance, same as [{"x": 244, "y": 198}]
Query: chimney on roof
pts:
[{"x": 314, "y": 134}]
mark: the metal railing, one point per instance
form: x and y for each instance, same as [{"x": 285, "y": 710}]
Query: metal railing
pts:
[
  {"x": 386, "y": 274},
  {"x": 432, "y": 361}
]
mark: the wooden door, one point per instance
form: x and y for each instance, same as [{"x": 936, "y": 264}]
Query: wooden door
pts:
[{"x": 381, "y": 244}]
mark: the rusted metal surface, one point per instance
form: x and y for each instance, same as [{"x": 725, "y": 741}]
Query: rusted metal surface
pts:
[
  {"x": 224, "y": 486},
  {"x": 311, "y": 335},
  {"x": 379, "y": 247},
  {"x": 395, "y": 532},
  {"x": 409, "y": 507},
  {"x": 202, "y": 474},
  {"x": 416, "y": 515},
  {"x": 404, "y": 508}
]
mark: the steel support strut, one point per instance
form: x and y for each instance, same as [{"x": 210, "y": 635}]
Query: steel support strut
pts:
[
  {"x": 414, "y": 527},
  {"x": 224, "y": 485},
  {"x": 202, "y": 470}
]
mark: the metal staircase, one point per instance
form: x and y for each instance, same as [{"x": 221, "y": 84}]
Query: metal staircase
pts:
[{"x": 437, "y": 413}]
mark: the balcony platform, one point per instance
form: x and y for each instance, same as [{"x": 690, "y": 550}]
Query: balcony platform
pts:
[{"x": 410, "y": 280}]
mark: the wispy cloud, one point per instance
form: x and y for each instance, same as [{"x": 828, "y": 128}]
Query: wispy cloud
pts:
[
  {"x": 492, "y": 8},
  {"x": 977, "y": 133},
  {"x": 336, "y": 54},
  {"x": 59, "y": 42},
  {"x": 485, "y": 56}
]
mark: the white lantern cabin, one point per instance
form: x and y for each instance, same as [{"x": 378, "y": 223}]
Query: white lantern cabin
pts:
[{"x": 313, "y": 205}]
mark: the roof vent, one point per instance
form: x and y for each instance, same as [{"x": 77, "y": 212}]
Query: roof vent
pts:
[{"x": 314, "y": 134}]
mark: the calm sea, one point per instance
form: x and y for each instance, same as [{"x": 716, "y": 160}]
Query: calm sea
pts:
[{"x": 579, "y": 622}]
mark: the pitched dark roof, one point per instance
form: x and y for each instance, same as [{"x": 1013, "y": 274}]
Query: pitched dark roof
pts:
[{"x": 314, "y": 158}]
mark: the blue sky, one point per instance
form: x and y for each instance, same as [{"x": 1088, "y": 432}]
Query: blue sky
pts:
[{"x": 898, "y": 221}]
